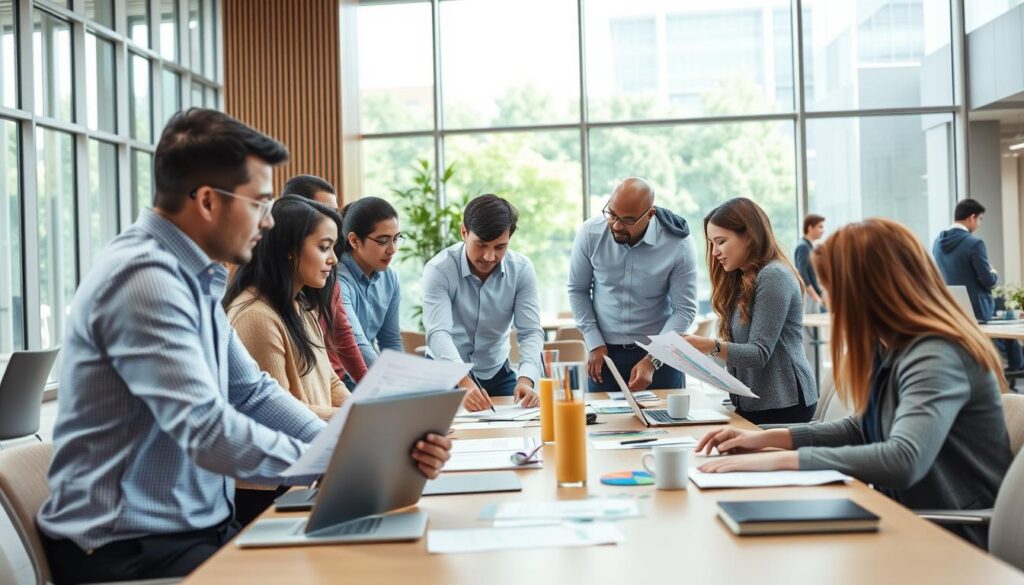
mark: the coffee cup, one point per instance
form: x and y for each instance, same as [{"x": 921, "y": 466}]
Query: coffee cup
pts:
[
  {"x": 678, "y": 405},
  {"x": 671, "y": 466}
]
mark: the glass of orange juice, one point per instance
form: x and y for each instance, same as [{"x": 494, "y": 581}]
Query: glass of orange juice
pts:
[{"x": 570, "y": 439}]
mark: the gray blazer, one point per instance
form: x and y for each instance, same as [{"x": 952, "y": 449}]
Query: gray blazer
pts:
[
  {"x": 945, "y": 441},
  {"x": 767, "y": 354}
]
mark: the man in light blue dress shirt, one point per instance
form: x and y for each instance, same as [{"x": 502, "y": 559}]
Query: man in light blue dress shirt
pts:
[
  {"x": 160, "y": 404},
  {"x": 473, "y": 292},
  {"x": 632, "y": 274}
]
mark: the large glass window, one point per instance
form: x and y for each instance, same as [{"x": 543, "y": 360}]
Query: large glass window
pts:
[
  {"x": 12, "y": 304},
  {"x": 195, "y": 33},
  {"x": 137, "y": 12},
  {"x": 100, "y": 87},
  {"x": 8, "y": 56},
  {"x": 101, "y": 11},
  {"x": 978, "y": 13},
  {"x": 142, "y": 182},
  {"x": 492, "y": 77},
  {"x": 396, "y": 69},
  {"x": 169, "y": 29},
  {"x": 53, "y": 72},
  {"x": 141, "y": 103},
  {"x": 890, "y": 166},
  {"x": 58, "y": 273},
  {"x": 103, "y": 215},
  {"x": 172, "y": 94}
]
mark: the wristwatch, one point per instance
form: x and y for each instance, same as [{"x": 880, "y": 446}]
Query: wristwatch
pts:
[
  {"x": 655, "y": 361},
  {"x": 717, "y": 350}
]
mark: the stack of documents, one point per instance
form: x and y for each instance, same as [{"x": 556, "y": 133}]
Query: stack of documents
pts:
[
  {"x": 487, "y": 454},
  {"x": 645, "y": 396},
  {"x": 503, "y": 539},
  {"x": 621, "y": 444},
  {"x": 563, "y": 510},
  {"x": 501, "y": 412},
  {"x": 756, "y": 479},
  {"x": 610, "y": 406}
]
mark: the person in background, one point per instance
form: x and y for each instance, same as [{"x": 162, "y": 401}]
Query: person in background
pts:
[
  {"x": 370, "y": 239},
  {"x": 473, "y": 292},
  {"x": 632, "y": 274},
  {"x": 758, "y": 297},
  {"x": 814, "y": 228},
  {"x": 925, "y": 382},
  {"x": 342, "y": 349},
  {"x": 963, "y": 261},
  {"x": 274, "y": 303}
]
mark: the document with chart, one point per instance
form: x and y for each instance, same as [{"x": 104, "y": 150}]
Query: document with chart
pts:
[{"x": 675, "y": 351}]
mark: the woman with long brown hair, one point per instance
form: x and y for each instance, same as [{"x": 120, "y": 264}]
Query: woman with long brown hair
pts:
[
  {"x": 924, "y": 380},
  {"x": 758, "y": 297}
]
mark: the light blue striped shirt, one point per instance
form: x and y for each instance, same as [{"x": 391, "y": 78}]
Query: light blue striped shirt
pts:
[
  {"x": 620, "y": 293},
  {"x": 469, "y": 320},
  {"x": 159, "y": 401},
  {"x": 372, "y": 303}
]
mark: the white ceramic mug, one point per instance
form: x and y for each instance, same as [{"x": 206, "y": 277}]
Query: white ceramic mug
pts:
[
  {"x": 671, "y": 466},
  {"x": 678, "y": 405}
]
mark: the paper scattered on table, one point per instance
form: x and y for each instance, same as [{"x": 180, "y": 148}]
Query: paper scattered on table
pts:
[
  {"x": 616, "y": 445},
  {"x": 503, "y": 539},
  {"x": 756, "y": 479},
  {"x": 487, "y": 460},
  {"x": 393, "y": 372},
  {"x": 627, "y": 433},
  {"x": 507, "y": 424},
  {"x": 501, "y": 412},
  {"x": 586, "y": 509},
  {"x": 507, "y": 444},
  {"x": 644, "y": 396},
  {"x": 674, "y": 351},
  {"x": 610, "y": 406}
]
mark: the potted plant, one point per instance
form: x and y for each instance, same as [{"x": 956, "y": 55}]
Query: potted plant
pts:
[{"x": 1013, "y": 297}]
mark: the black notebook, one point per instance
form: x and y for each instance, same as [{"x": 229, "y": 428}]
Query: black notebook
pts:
[{"x": 796, "y": 516}]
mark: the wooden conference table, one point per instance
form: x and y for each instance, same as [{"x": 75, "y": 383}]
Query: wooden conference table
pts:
[{"x": 678, "y": 540}]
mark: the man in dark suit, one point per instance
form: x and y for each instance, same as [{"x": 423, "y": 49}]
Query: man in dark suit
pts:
[
  {"x": 814, "y": 228},
  {"x": 963, "y": 260}
]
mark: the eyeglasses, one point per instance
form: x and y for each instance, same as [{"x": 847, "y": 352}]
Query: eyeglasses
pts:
[
  {"x": 262, "y": 207},
  {"x": 384, "y": 241},
  {"x": 626, "y": 221}
]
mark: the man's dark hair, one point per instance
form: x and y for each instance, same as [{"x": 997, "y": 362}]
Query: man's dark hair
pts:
[
  {"x": 307, "y": 186},
  {"x": 205, "y": 147},
  {"x": 488, "y": 216},
  {"x": 967, "y": 208},
  {"x": 811, "y": 220}
]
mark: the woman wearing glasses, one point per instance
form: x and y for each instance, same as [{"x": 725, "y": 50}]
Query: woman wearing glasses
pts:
[
  {"x": 275, "y": 302},
  {"x": 370, "y": 238}
]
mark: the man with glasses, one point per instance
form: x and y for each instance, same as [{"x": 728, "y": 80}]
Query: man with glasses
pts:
[
  {"x": 632, "y": 274},
  {"x": 160, "y": 404},
  {"x": 473, "y": 293}
]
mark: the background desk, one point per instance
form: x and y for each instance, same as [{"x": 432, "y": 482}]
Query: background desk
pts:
[
  {"x": 823, "y": 321},
  {"x": 679, "y": 540}
]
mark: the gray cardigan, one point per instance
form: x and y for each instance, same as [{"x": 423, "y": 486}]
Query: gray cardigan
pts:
[
  {"x": 945, "y": 440},
  {"x": 767, "y": 354}
]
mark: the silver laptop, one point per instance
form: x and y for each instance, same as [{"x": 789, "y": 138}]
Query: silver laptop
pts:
[
  {"x": 658, "y": 417},
  {"x": 962, "y": 298},
  {"x": 370, "y": 473}
]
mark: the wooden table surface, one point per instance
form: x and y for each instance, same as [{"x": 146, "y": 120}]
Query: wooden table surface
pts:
[
  {"x": 679, "y": 539},
  {"x": 1014, "y": 331}
]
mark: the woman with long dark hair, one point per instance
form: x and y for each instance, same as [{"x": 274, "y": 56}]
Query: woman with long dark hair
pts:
[
  {"x": 275, "y": 302},
  {"x": 928, "y": 428},
  {"x": 757, "y": 294}
]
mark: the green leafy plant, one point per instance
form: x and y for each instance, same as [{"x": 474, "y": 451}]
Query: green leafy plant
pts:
[
  {"x": 428, "y": 225},
  {"x": 1013, "y": 294}
]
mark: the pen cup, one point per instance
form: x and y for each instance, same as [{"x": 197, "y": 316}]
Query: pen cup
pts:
[
  {"x": 549, "y": 361},
  {"x": 546, "y": 388},
  {"x": 570, "y": 441}
]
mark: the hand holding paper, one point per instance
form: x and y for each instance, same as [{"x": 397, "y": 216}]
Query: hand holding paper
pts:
[{"x": 674, "y": 351}]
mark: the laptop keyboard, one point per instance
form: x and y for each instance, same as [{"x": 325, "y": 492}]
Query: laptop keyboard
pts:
[
  {"x": 660, "y": 415},
  {"x": 362, "y": 526}
]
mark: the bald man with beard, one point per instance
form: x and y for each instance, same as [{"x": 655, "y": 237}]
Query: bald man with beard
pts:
[{"x": 632, "y": 274}]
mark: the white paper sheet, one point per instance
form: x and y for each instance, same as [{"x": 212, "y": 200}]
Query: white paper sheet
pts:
[
  {"x": 500, "y": 412},
  {"x": 488, "y": 460},
  {"x": 503, "y": 539},
  {"x": 674, "y": 351},
  {"x": 616, "y": 445},
  {"x": 505, "y": 424},
  {"x": 587, "y": 509},
  {"x": 393, "y": 372},
  {"x": 755, "y": 479},
  {"x": 644, "y": 396},
  {"x": 506, "y": 444}
]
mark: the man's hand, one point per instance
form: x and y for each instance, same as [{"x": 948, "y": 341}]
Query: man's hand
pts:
[
  {"x": 476, "y": 399},
  {"x": 431, "y": 453},
  {"x": 596, "y": 362},
  {"x": 642, "y": 375},
  {"x": 524, "y": 394}
]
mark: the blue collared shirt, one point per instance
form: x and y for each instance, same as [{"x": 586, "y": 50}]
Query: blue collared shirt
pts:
[
  {"x": 468, "y": 319},
  {"x": 372, "y": 303},
  {"x": 160, "y": 403},
  {"x": 620, "y": 293}
]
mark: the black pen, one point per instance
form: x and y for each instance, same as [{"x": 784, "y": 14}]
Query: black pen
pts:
[
  {"x": 477, "y": 382},
  {"x": 636, "y": 441}
]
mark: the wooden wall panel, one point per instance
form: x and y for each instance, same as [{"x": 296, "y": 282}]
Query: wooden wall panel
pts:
[{"x": 281, "y": 76}]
